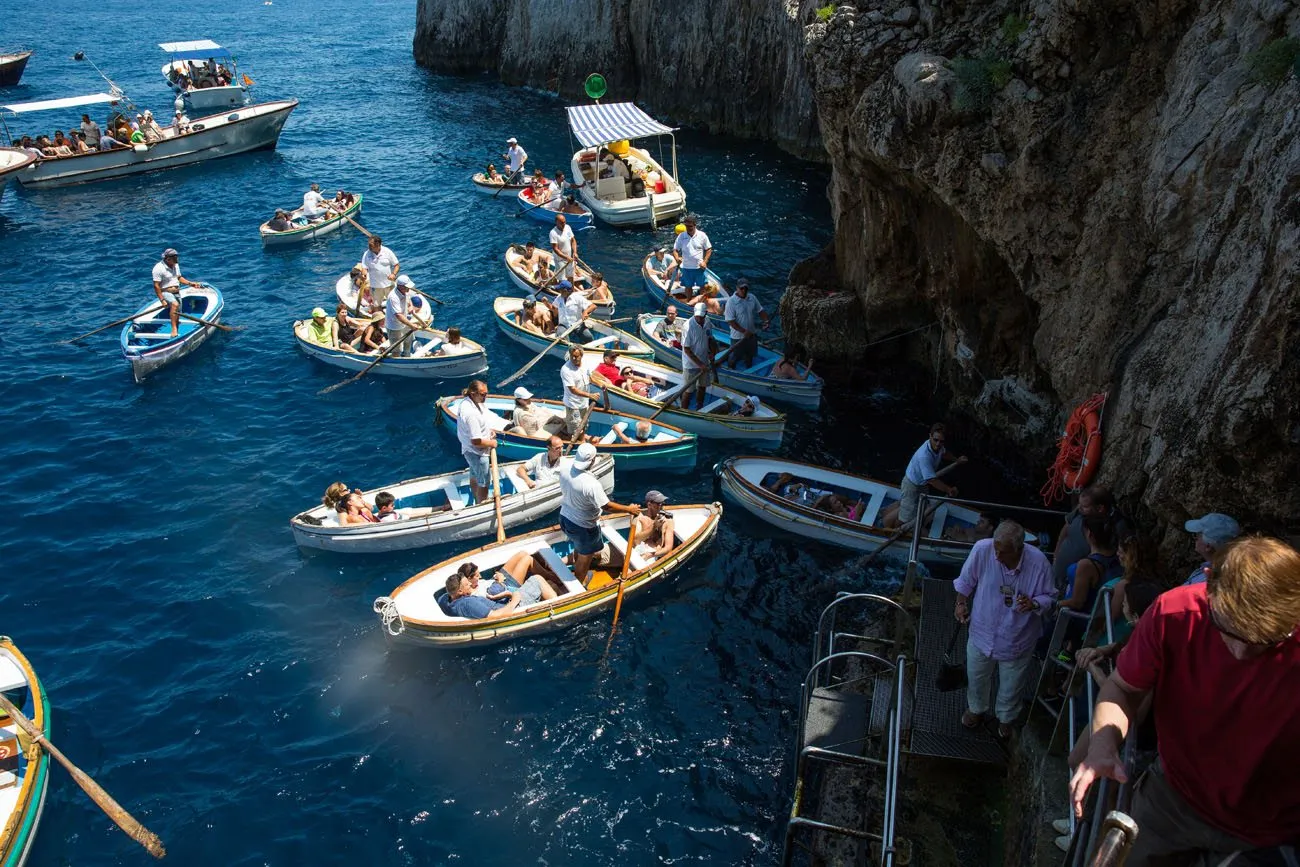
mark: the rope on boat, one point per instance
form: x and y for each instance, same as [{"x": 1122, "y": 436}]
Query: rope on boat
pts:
[{"x": 386, "y": 608}]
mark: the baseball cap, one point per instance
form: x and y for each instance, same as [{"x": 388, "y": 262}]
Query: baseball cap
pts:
[
  {"x": 564, "y": 284},
  {"x": 318, "y": 313},
  {"x": 583, "y": 457},
  {"x": 522, "y": 393},
  {"x": 659, "y": 251},
  {"x": 170, "y": 252},
  {"x": 655, "y": 497},
  {"x": 701, "y": 309},
  {"x": 742, "y": 283},
  {"x": 512, "y": 140},
  {"x": 1215, "y": 527},
  {"x": 403, "y": 280}
]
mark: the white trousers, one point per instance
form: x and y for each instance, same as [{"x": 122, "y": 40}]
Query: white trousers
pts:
[{"x": 1011, "y": 682}]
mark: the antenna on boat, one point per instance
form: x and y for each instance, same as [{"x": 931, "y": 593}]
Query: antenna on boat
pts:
[
  {"x": 81, "y": 55},
  {"x": 595, "y": 86}
]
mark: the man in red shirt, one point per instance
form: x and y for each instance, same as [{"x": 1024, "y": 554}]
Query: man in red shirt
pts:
[
  {"x": 1222, "y": 661},
  {"x": 632, "y": 381}
]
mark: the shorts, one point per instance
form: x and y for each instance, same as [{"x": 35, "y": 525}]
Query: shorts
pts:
[
  {"x": 480, "y": 468},
  {"x": 911, "y": 499},
  {"x": 531, "y": 592},
  {"x": 693, "y": 277},
  {"x": 172, "y": 296},
  {"x": 573, "y": 419},
  {"x": 585, "y": 540}
]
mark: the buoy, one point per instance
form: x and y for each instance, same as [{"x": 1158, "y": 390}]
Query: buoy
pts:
[
  {"x": 595, "y": 85},
  {"x": 1078, "y": 452}
]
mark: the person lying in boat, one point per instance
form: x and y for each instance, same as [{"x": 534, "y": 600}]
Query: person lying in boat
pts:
[
  {"x": 280, "y": 222},
  {"x": 709, "y": 297},
  {"x": 571, "y": 206},
  {"x": 791, "y": 487},
  {"x": 609, "y": 373},
  {"x": 748, "y": 407},
  {"x": 839, "y": 505},
  {"x": 640, "y": 435},
  {"x": 661, "y": 263},
  {"x": 462, "y": 601},
  {"x": 530, "y": 420},
  {"x": 352, "y": 509},
  {"x": 787, "y": 369},
  {"x": 983, "y": 529},
  {"x": 453, "y": 345},
  {"x": 386, "y": 508},
  {"x": 544, "y": 466},
  {"x": 533, "y": 259}
]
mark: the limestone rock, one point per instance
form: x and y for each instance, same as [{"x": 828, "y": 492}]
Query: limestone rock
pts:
[{"x": 905, "y": 16}]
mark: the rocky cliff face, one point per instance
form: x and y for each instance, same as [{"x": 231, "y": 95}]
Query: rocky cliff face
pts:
[
  {"x": 1077, "y": 195},
  {"x": 736, "y": 67}
]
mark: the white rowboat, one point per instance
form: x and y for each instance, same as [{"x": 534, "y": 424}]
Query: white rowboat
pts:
[
  {"x": 307, "y": 231},
  {"x": 524, "y": 280},
  {"x": 606, "y": 336},
  {"x": 422, "y": 363},
  {"x": 24, "y": 768}
]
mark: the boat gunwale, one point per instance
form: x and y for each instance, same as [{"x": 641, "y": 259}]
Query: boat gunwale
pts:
[
  {"x": 426, "y": 362},
  {"x": 216, "y": 305},
  {"x": 594, "y": 324},
  {"x": 797, "y": 387}
]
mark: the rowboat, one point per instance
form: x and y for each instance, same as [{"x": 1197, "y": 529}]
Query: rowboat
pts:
[
  {"x": 250, "y": 128},
  {"x": 304, "y": 230},
  {"x": 606, "y": 336},
  {"x": 422, "y": 363},
  {"x": 657, "y": 288},
  {"x": 346, "y": 292},
  {"x": 543, "y": 214},
  {"x": 414, "y": 613},
  {"x": 764, "y": 428},
  {"x": 12, "y": 66},
  {"x": 483, "y": 185},
  {"x": 194, "y": 59},
  {"x": 651, "y": 195},
  {"x": 524, "y": 280},
  {"x": 665, "y": 448},
  {"x": 12, "y": 160},
  {"x": 437, "y": 509},
  {"x": 755, "y": 379},
  {"x": 24, "y": 769},
  {"x": 782, "y": 493},
  {"x": 147, "y": 342}
]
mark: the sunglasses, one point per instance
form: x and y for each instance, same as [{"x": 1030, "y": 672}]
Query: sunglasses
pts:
[{"x": 1272, "y": 644}]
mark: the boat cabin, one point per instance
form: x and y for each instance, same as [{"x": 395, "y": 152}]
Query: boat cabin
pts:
[
  {"x": 624, "y": 184},
  {"x": 203, "y": 76}
]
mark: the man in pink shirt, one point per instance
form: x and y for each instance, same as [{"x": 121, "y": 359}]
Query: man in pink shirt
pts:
[{"x": 1002, "y": 592}]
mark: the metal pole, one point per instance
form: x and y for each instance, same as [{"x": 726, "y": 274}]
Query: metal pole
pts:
[{"x": 1118, "y": 836}]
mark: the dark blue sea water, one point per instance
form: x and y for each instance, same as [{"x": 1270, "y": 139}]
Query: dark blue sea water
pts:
[{"x": 237, "y": 694}]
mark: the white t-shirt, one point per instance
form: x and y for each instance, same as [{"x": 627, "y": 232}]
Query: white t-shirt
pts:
[
  {"x": 379, "y": 266},
  {"x": 563, "y": 241},
  {"x": 167, "y": 277},
  {"x": 581, "y": 496},
  {"x": 924, "y": 464},
  {"x": 570, "y": 311},
  {"x": 471, "y": 424},
  {"x": 313, "y": 203},
  {"x": 696, "y": 337},
  {"x": 744, "y": 312},
  {"x": 454, "y": 348},
  {"x": 397, "y": 303},
  {"x": 91, "y": 129},
  {"x": 540, "y": 468},
  {"x": 573, "y": 376},
  {"x": 516, "y": 155},
  {"x": 692, "y": 248}
]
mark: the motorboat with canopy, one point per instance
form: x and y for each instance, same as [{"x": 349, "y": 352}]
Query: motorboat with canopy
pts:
[
  {"x": 202, "y": 74},
  {"x": 624, "y": 185}
]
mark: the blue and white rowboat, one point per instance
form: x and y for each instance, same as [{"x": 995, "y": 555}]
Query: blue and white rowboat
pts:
[
  {"x": 543, "y": 214},
  {"x": 422, "y": 363},
  {"x": 147, "y": 342},
  {"x": 657, "y": 287},
  {"x": 605, "y": 336},
  {"x": 755, "y": 379}
]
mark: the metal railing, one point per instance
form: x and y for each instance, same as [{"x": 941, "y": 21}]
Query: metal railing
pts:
[{"x": 893, "y": 763}]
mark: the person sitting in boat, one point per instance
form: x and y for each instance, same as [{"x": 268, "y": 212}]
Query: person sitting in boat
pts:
[
  {"x": 313, "y": 204},
  {"x": 983, "y": 529},
  {"x": 386, "y": 508},
  {"x": 492, "y": 176},
  {"x": 180, "y": 123},
  {"x": 641, "y": 433},
  {"x": 598, "y": 292},
  {"x": 787, "y": 369},
  {"x": 655, "y": 531},
  {"x": 709, "y": 298},
  {"x": 365, "y": 303},
  {"x": 530, "y": 420},
  {"x": 224, "y": 76},
  {"x": 608, "y": 372},
  {"x": 343, "y": 200},
  {"x": 324, "y": 331},
  {"x": 350, "y": 327},
  {"x": 533, "y": 319},
  {"x": 838, "y": 505},
  {"x": 62, "y": 146},
  {"x": 790, "y": 487},
  {"x": 453, "y": 344},
  {"x": 462, "y": 601},
  {"x": 44, "y": 146},
  {"x": 280, "y": 222},
  {"x": 108, "y": 143},
  {"x": 748, "y": 407},
  {"x": 152, "y": 132},
  {"x": 77, "y": 141},
  {"x": 544, "y": 466},
  {"x": 373, "y": 336},
  {"x": 661, "y": 263},
  {"x": 352, "y": 509}
]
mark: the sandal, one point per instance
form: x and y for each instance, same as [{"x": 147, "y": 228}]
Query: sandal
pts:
[
  {"x": 1004, "y": 731},
  {"x": 972, "y": 720}
]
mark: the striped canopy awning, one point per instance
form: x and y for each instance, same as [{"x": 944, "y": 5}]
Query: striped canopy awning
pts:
[{"x": 601, "y": 124}]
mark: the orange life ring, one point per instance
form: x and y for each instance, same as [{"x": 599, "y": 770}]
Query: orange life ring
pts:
[{"x": 1082, "y": 437}]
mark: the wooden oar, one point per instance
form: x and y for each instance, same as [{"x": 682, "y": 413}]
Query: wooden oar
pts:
[
  {"x": 694, "y": 383},
  {"x": 622, "y": 580},
  {"x": 124, "y": 820},
  {"x": 586, "y": 416},
  {"x": 360, "y": 227},
  {"x": 521, "y": 371},
  {"x": 209, "y": 324},
  {"x": 898, "y": 534},
  {"x": 496, "y": 497},
  {"x": 111, "y": 324},
  {"x": 392, "y": 346}
]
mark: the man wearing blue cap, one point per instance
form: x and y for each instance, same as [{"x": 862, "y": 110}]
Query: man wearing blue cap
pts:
[
  {"x": 1213, "y": 531},
  {"x": 573, "y": 309}
]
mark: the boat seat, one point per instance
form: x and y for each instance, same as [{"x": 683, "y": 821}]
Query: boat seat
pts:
[
  {"x": 936, "y": 523},
  {"x": 604, "y": 341},
  {"x": 548, "y": 556},
  {"x": 662, "y": 437},
  {"x": 151, "y": 335},
  {"x": 762, "y": 368},
  {"x": 714, "y": 405},
  {"x": 872, "y": 511},
  {"x": 611, "y": 189},
  {"x": 619, "y": 544},
  {"x": 611, "y": 437},
  {"x": 427, "y": 348},
  {"x": 668, "y": 394},
  {"x": 11, "y": 676},
  {"x": 453, "y": 496}
]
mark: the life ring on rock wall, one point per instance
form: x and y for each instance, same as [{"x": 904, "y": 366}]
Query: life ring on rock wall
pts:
[{"x": 1078, "y": 452}]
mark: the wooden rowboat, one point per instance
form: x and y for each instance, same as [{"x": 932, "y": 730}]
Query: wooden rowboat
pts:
[
  {"x": 765, "y": 428},
  {"x": 657, "y": 288},
  {"x": 147, "y": 342},
  {"x": 422, "y": 363},
  {"x": 755, "y": 379},
  {"x": 437, "y": 509},
  {"x": 24, "y": 767},
  {"x": 414, "y": 614},
  {"x": 543, "y": 214},
  {"x": 528, "y": 284},
  {"x": 306, "y": 231},
  {"x": 606, "y": 336},
  {"x": 666, "y": 448},
  {"x": 12, "y": 66},
  {"x": 483, "y": 185},
  {"x": 753, "y": 481}
]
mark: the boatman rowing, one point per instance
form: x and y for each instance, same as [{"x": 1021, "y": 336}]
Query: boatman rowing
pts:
[
  {"x": 516, "y": 157},
  {"x": 565, "y": 247},
  {"x": 382, "y": 267},
  {"x": 313, "y": 204},
  {"x": 167, "y": 281},
  {"x": 923, "y": 472},
  {"x": 582, "y": 500},
  {"x": 742, "y": 313},
  {"x": 476, "y": 432},
  {"x": 692, "y": 250}
]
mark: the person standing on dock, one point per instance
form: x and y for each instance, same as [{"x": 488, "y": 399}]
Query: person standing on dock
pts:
[
  {"x": 516, "y": 157},
  {"x": 1095, "y": 501},
  {"x": 922, "y": 472},
  {"x": 1002, "y": 592},
  {"x": 167, "y": 283},
  {"x": 1220, "y": 663},
  {"x": 477, "y": 439},
  {"x": 382, "y": 266},
  {"x": 693, "y": 250},
  {"x": 742, "y": 313},
  {"x": 565, "y": 246},
  {"x": 582, "y": 501},
  {"x": 696, "y": 357}
]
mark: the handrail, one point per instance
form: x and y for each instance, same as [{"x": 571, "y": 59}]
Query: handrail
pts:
[
  {"x": 842, "y": 597},
  {"x": 926, "y": 499},
  {"x": 893, "y": 761}
]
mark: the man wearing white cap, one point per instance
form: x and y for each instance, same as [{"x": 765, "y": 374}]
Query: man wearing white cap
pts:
[
  {"x": 695, "y": 356},
  {"x": 742, "y": 313},
  {"x": 399, "y": 317},
  {"x": 382, "y": 266},
  {"x": 1213, "y": 531},
  {"x": 582, "y": 500},
  {"x": 749, "y": 406},
  {"x": 167, "y": 282},
  {"x": 515, "y": 157}
]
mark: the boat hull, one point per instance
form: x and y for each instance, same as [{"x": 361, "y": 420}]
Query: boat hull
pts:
[
  {"x": 651, "y": 210},
  {"x": 12, "y": 67},
  {"x": 306, "y": 233},
  {"x": 608, "y": 337},
  {"x": 604, "y": 310},
  {"x": 542, "y": 214},
  {"x": 12, "y": 161},
  {"x": 146, "y": 357},
  {"x": 426, "y": 367},
  {"x": 256, "y": 127},
  {"x": 487, "y": 189},
  {"x": 563, "y": 611},
  {"x": 519, "y": 505},
  {"x": 22, "y": 820}
]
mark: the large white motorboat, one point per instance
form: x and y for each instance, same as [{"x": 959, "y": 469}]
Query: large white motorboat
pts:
[
  {"x": 623, "y": 185},
  {"x": 251, "y": 128},
  {"x": 202, "y": 74}
]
